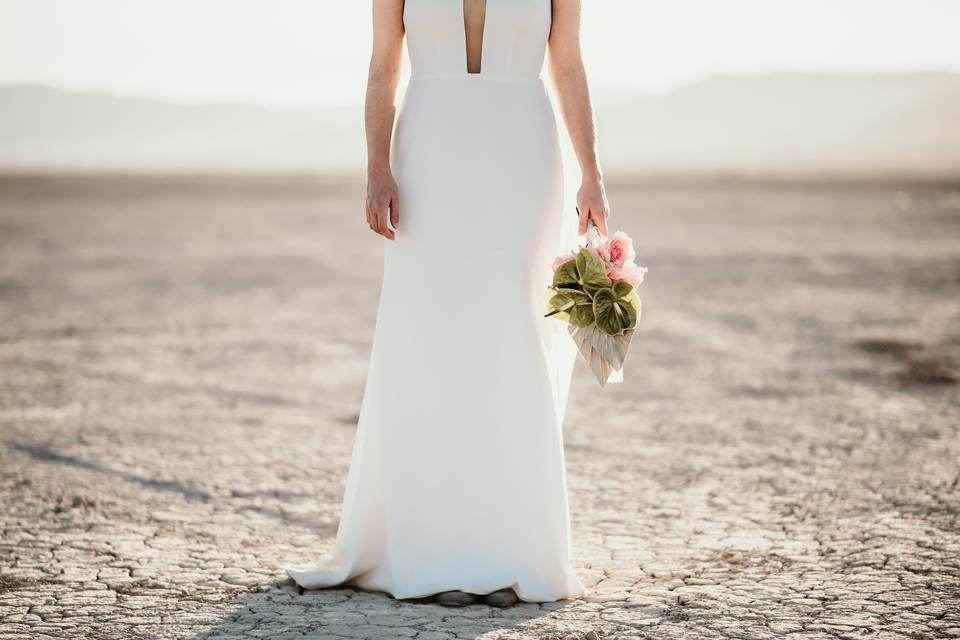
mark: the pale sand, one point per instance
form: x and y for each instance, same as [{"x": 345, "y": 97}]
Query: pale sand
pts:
[{"x": 182, "y": 362}]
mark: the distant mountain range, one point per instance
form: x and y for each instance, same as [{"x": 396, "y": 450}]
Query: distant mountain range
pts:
[{"x": 757, "y": 124}]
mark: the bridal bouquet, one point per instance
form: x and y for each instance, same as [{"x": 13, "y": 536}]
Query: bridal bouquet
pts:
[{"x": 594, "y": 291}]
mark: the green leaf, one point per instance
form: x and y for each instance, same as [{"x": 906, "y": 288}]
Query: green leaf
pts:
[
  {"x": 566, "y": 303},
  {"x": 566, "y": 275},
  {"x": 565, "y": 297},
  {"x": 613, "y": 314},
  {"x": 592, "y": 271},
  {"x": 634, "y": 301},
  {"x": 622, "y": 288},
  {"x": 560, "y": 303},
  {"x": 581, "y": 315}
]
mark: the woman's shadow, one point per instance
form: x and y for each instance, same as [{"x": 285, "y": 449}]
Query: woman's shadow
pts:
[{"x": 282, "y": 610}]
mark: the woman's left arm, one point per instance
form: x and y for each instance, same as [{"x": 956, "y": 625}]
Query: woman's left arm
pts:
[{"x": 573, "y": 94}]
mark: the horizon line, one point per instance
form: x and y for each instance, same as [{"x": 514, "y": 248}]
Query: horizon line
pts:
[{"x": 135, "y": 96}]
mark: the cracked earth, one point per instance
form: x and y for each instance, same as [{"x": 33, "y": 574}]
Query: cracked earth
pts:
[{"x": 181, "y": 366}]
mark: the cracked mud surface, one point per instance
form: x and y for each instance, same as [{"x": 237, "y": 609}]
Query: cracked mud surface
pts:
[{"x": 182, "y": 362}]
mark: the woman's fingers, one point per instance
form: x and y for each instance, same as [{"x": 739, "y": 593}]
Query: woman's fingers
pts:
[
  {"x": 378, "y": 214},
  {"x": 601, "y": 221},
  {"x": 394, "y": 212},
  {"x": 383, "y": 223},
  {"x": 373, "y": 216},
  {"x": 592, "y": 202},
  {"x": 597, "y": 214},
  {"x": 584, "y": 217},
  {"x": 383, "y": 206}
]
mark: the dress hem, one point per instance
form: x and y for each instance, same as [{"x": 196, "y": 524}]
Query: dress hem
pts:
[{"x": 355, "y": 583}]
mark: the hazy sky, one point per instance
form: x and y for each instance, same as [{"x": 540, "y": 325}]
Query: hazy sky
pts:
[{"x": 302, "y": 53}]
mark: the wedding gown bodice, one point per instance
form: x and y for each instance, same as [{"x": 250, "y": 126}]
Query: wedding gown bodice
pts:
[{"x": 514, "y": 37}]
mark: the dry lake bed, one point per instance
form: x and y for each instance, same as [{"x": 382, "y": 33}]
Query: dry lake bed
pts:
[{"x": 182, "y": 361}]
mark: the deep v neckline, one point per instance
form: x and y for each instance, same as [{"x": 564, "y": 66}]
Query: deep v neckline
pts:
[{"x": 483, "y": 36}]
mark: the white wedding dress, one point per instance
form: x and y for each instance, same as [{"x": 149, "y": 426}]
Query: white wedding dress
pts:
[{"x": 457, "y": 477}]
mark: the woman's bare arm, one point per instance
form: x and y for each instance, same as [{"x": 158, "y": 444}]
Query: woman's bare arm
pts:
[
  {"x": 573, "y": 94},
  {"x": 382, "y": 201}
]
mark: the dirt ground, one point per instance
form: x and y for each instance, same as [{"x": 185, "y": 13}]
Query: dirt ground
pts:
[{"x": 182, "y": 361}]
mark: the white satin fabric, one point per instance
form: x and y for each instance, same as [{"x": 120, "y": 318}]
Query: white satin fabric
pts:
[{"x": 457, "y": 478}]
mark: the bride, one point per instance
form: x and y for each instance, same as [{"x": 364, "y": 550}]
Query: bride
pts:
[{"x": 457, "y": 488}]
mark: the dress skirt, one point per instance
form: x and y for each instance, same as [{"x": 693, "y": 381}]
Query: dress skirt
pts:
[{"x": 457, "y": 478}]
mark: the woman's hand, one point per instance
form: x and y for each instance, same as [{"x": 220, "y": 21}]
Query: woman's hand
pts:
[
  {"x": 383, "y": 206},
  {"x": 592, "y": 202}
]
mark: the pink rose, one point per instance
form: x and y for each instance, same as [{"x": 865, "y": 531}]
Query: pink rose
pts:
[
  {"x": 561, "y": 260},
  {"x": 633, "y": 274},
  {"x": 621, "y": 249},
  {"x": 628, "y": 272}
]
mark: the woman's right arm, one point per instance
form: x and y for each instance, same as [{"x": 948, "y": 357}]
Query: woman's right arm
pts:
[{"x": 382, "y": 82}]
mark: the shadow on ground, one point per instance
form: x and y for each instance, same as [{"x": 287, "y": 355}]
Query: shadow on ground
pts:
[
  {"x": 45, "y": 453},
  {"x": 283, "y": 610}
]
